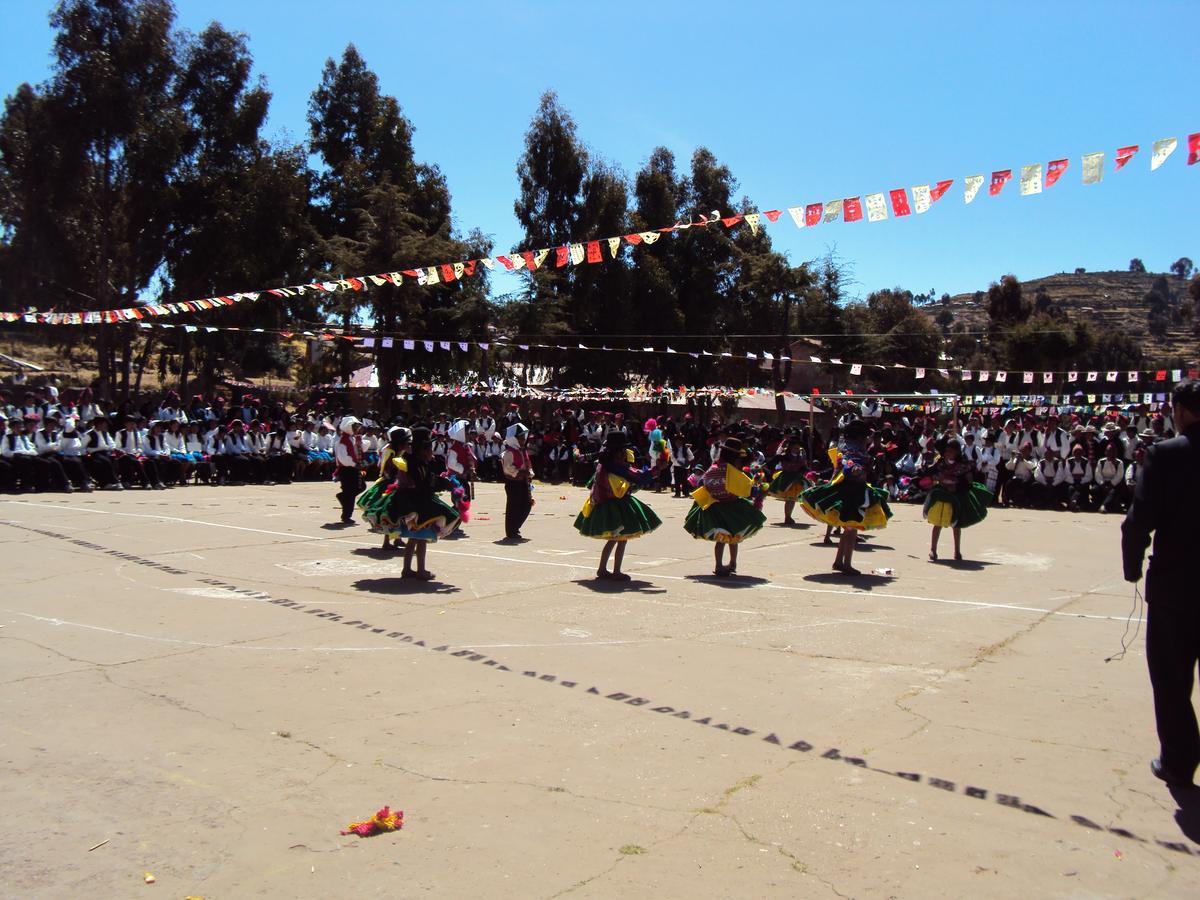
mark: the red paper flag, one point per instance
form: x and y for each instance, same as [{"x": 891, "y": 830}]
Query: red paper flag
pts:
[
  {"x": 813, "y": 213},
  {"x": 632, "y": 238},
  {"x": 505, "y": 261},
  {"x": 773, "y": 214},
  {"x": 469, "y": 268},
  {"x": 593, "y": 251},
  {"x": 530, "y": 262},
  {"x": 1160, "y": 375},
  {"x": 999, "y": 180},
  {"x": 1124, "y": 155},
  {"x": 730, "y": 221},
  {"x": 900, "y": 202},
  {"x": 1193, "y": 148},
  {"x": 935, "y": 192},
  {"x": 561, "y": 256},
  {"x": 1054, "y": 170},
  {"x": 852, "y": 209},
  {"x": 447, "y": 272}
]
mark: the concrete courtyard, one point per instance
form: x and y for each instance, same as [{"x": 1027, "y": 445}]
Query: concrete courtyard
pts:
[{"x": 212, "y": 682}]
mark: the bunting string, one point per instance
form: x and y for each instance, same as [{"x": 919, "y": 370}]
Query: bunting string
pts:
[
  {"x": 1077, "y": 379},
  {"x": 1034, "y": 179}
]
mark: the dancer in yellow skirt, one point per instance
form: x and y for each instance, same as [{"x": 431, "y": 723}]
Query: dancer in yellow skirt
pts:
[{"x": 849, "y": 501}]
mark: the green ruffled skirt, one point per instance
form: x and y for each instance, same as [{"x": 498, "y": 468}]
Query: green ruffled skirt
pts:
[
  {"x": 947, "y": 509},
  {"x": 618, "y": 519},
  {"x": 730, "y": 522},
  {"x": 847, "y": 504},
  {"x": 787, "y": 486}
]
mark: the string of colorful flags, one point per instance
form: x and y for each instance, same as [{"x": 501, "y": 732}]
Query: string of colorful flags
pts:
[
  {"x": 376, "y": 341},
  {"x": 1034, "y": 179},
  {"x": 827, "y": 400}
]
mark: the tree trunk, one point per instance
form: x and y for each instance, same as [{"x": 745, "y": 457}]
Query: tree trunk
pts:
[
  {"x": 141, "y": 363},
  {"x": 126, "y": 360},
  {"x": 185, "y": 364}
]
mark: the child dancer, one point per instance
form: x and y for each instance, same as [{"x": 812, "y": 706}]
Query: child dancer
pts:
[
  {"x": 422, "y": 518},
  {"x": 374, "y": 500},
  {"x": 789, "y": 481},
  {"x": 722, "y": 511},
  {"x": 849, "y": 501},
  {"x": 611, "y": 513},
  {"x": 954, "y": 501}
]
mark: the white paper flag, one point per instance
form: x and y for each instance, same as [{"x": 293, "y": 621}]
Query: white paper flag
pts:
[
  {"x": 1031, "y": 179},
  {"x": 649, "y": 237},
  {"x": 1092, "y": 376},
  {"x": 1072, "y": 376},
  {"x": 1110, "y": 376},
  {"x": 517, "y": 260},
  {"x": 614, "y": 244},
  {"x": 539, "y": 257},
  {"x": 1027, "y": 378},
  {"x": 462, "y": 345},
  {"x": 920, "y": 373},
  {"x": 488, "y": 262},
  {"x": 1176, "y": 374},
  {"x": 428, "y": 346},
  {"x": 856, "y": 369},
  {"x": 431, "y": 275},
  {"x": 833, "y": 210},
  {"x": 387, "y": 343},
  {"x": 1133, "y": 376},
  {"x": 445, "y": 345},
  {"x": 921, "y": 198},
  {"x": 973, "y": 184},
  {"x": 368, "y": 342},
  {"x": 1047, "y": 377},
  {"x": 577, "y": 254},
  {"x": 876, "y": 208},
  {"x": 1093, "y": 168},
  {"x": 797, "y": 214},
  {"x": 752, "y": 221},
  {"x": 984, "y": 376},
  {"x": 459, "y": 268},
  {"x": 1160, "y": 151},
  {"x": 1002, "y": 376},
  {"x": 410, "y": 345}
]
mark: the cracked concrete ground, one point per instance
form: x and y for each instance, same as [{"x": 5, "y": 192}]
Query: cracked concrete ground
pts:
[{"x": 216, "y": 681}]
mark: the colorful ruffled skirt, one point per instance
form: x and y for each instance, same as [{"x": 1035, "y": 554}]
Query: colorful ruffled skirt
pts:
[
  {"x": 947, "y": 509},
  {"x": 728, "y": 522},
  {"x": 374, "y": 503},
  {"x": 847, "y": 504},
  {"x": 425, "y": 520},
  {"x": 787, "y": 486},
  {"x": 617, "y": 519}
]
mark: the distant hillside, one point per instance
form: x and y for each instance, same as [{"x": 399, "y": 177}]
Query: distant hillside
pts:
[{"x": 1107, "y": 299}]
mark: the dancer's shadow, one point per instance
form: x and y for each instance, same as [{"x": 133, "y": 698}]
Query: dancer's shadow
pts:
[
  {"x": 403, "y": 586},
  {"x": 860, "y": 546},
  {"x": 511, "y": 542},
  {"x": 338, "y": 526},
  {"x": 966, "y": 565},
  {"x": 865, "y": 581},
  {"x": 1187, "y": 817},
  {"x": 604, "y": 586},
  {"x": 790, "y": 525},
  {"x": 728, "y": 581},
  {"x": 379, "y": 553}
]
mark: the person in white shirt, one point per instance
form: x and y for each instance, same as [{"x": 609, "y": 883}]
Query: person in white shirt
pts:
[
  {"x": 132, "y": 461},
  {"x": 1050, "y": 481},
  {"x": 280, "y": 460},
  {"x": 66, "y": 447},
  {"x": 1055, "y": 438},
  {"x": 518, "y": 473},
  {"x": 170, "y": 470},
  {"x": 175, "y": 440},
  {"x": 29, "y": 469},
  {"x": 348, "y": 456},
  {"x": 871, "y": 409},
  {"x": 199, "y": 449},
  {"x": 989, "y": 462},
  {"x": 1078, "y": 480},
  {"x": 100, "y": 448},
  {"x": 682, "y": 460},
  {"x": 1019, "y": 489},
  {"x": 240, "y": 457},
  {"x": 1109, "y": 478}
]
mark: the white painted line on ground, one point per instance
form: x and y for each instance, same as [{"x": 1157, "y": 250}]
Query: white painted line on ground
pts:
[{"x": 537, "y": 562}]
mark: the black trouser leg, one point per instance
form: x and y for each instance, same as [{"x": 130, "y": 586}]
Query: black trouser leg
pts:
[
  {"x": 516, "y": 507},
  {"x": 131, "y": 470},
  {"x": 75, "y": 471},
  {"x": 1172, "y": 651},
  {"x": 51, "y": 474},
  {"x": 351, "y": 483},
  {"x": 151, "y": 468},
  {"x": 7, "y": 476},
  {"x": 101, "y": 469},
  {"x": 280, "y": 467}
]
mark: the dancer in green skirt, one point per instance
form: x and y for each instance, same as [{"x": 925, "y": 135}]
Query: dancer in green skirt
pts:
[
  {"x": 725, "y": 510},
  {"x": 611, "y": 513},
  {"x": 374, "y": 500},
  {"x": 956, "y": 500}
]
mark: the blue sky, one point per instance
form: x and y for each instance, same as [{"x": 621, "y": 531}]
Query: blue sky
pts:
[{"x": 804, "y": 102}]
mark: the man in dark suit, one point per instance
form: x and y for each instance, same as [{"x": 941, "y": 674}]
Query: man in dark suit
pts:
[{"x": 1165, "y": 502}]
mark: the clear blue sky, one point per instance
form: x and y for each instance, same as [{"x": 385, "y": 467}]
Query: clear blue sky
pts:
[{"x": 803, "y": 101}]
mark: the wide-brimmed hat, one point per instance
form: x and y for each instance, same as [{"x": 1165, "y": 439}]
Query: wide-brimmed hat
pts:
[
  {"x": 733, "y": 445},
  {"x": 1110, "y": 427},
  {"x": 420, "y": 438}
]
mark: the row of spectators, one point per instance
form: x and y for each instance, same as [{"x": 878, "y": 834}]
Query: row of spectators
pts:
[{"x": 1047, "y": 458}]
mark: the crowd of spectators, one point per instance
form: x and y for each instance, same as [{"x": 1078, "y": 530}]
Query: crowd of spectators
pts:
[{"x": 65, "y": 440}]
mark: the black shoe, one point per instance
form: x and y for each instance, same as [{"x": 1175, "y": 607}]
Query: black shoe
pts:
[{"x": 1162, "y": 773}]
